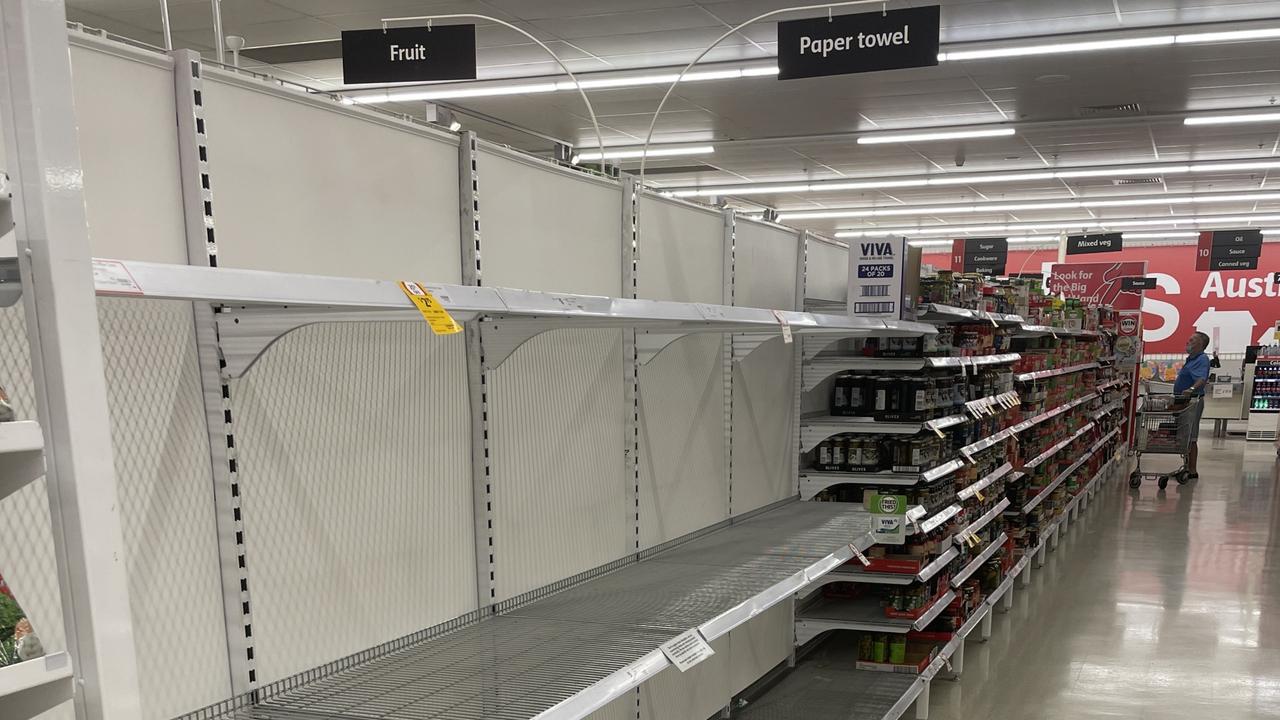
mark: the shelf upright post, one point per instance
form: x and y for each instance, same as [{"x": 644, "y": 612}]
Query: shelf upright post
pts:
[
  {"x": 984, "y": 627},
  {"x": 922, "y": 701},
  {"x": 202, "y": 251},
  {"x": 797, "y": 352},
  {"x": 630, "y": 237},
  {"x": 42, "y": 145},
  {"x": 730, "y": 246},
  {"x": 957, "y": 660},
  {"x": 477, "y": 378},
  {"x": 1006, "y": 601}
]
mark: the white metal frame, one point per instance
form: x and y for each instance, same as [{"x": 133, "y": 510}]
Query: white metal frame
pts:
[
  {"x": 42, "y": 146},
  {"x": 238, "y": 314}
]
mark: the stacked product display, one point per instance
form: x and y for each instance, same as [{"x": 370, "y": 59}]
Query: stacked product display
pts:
[
  {"x": 1266, "y": 380},
  {"x": 992, "y": 433},
  {"x": 1264, "y": 404}
]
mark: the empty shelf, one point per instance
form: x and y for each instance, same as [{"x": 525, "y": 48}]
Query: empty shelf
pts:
[{"x": 574, "y": 651}]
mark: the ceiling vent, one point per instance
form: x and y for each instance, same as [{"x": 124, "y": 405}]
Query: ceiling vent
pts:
[
  {"x": 1136, "y": 181},
  {"x": 1110, "y": 111}
]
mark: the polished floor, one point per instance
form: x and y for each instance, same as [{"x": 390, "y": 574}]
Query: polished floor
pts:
[{"x": 1159, "y": 604}]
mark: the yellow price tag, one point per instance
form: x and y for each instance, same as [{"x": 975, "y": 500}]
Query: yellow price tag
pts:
[
  {"x": 978, "y": 494},
  {"x": 441, "y": 322}
]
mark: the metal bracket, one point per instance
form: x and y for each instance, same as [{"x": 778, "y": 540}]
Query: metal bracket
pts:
[{"x": 246, "y": 333}]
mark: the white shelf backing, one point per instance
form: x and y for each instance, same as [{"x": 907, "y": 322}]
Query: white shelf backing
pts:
[
  {"x": 939, "y": 313},
  {"x": 1042, "y": 374},
  {"x": 1012, "y": 430},
  {"x": 1108, "y": 409},
  {"x": 827, "y": 614},
  {"x": 813, "y": 482},
  {"x": 1057, "y": 448},
  {"x": 1113, "y": 383},
  {"x": 1035, "y": 501},
  {"x": 982, "y": 521},
  {"x": 816, "y": 428},
  {"x": 985, "y": 482},
  {"x": 29, "y": 688},
  {"x": 939, "y": 518},
  {"x": 1034, "y": 330},
  {"x": 834, "y": 692},
  {"x": 21, "y": 455},
  {"x": 817, "y": 369},
  {"x": 586, "y": 645},
  {"x": 968, "y": 570},
  {"x": 265, "y": 305}
]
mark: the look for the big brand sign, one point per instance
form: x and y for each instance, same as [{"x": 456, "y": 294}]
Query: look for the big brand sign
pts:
[
  {"x": 415, "y": 54},
  {"x": 865, "y": 42}
]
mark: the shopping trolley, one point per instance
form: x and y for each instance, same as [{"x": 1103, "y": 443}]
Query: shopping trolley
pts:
[{"x": 1164, "y": 428}]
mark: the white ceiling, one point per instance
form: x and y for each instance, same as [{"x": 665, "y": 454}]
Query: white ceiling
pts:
[{"x": 770, "y": 130}]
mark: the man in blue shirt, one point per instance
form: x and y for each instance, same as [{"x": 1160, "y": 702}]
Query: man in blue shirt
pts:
[{"x": 1190, "y": 382}]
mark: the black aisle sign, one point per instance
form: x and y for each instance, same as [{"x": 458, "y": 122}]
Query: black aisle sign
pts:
[
  {"x": 415, "y": 54},
  {"x": 1138, "y": 283},
  {"x": 1085, "y": 244},
  {"x": 1237, "y": 251},
  {"x": 1218, "y": 263},
  {"x": 865, "y": 42},
  {"x": 985, "y": 256},
  {"x": 1237, "y": 237}
]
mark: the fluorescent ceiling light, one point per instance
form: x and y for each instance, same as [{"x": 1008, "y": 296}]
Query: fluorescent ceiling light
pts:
[
  {"x": 880, "y": 138},
  {"x": 976, "y": 178},
  {"x": 1228, "y": 36},
  {"x": 978, "y": 208},
  {"x": 1068, "y": 226},
  {"x": 1056, "y": 48},
  {"x": 1112, "y": 44},
  {"x": 1269, "y": 117},
  {"x": 630, "y": 153},
  {"x": 455, "y": 126},
  {"x": 454, "y": 91}
]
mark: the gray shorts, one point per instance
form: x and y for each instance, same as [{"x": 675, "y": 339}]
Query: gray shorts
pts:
[{"x": 1193, "y": 422}]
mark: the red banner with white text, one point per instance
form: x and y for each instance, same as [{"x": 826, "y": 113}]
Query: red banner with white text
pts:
[{"x": 1237, "y": 307}]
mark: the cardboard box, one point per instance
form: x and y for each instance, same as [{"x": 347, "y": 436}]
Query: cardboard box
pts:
[{"x": 919, "y": 656}]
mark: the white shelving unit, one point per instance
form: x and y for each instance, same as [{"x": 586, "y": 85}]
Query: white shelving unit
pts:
[
  {"x": 822, "y": 367},
  {"x": 814, "y": 482},
  {"x": 32, "y": 687},
  {"x": 889, "y": 696},
  {"x": 21, "y": 455}
]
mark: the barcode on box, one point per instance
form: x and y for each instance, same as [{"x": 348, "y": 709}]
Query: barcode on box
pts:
[
  {"x": 875, "y": 291},
  {"x": 873, "y": 307}
]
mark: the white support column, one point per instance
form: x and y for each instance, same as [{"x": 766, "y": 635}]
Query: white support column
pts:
[
  {"x": 797, "y": 354},
  {"x": 984, "y": 628},
  {"x": 1025, "y": 579},
  {"x": 1057, "y": 535},
  {"x": 43, "y": 151},
  {"x": 730, "y": 245},
  {"x": 1041, "y": 553},
  {"x": 922, "y": 702},
  {"x": 202, "y": 251},
  {"x": 477, "y": 378},
  {"x": 630, "y": 238},
  {"x": 1006, "y": 601},
  {"x": 957, "y": 660}
]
